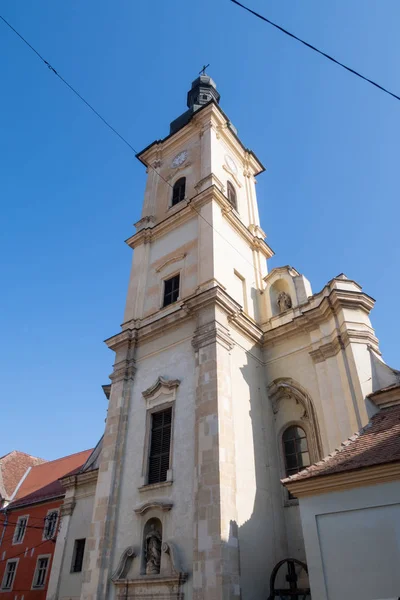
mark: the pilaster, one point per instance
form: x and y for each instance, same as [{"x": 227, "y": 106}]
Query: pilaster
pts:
[
  {"x": 216, "y": 544},
  {"x": 100, "y": 543}
]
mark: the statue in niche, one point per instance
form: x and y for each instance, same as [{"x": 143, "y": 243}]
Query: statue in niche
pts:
[
  {"x": 153, "y": 552},
  {"x": 284, "y": 301}
]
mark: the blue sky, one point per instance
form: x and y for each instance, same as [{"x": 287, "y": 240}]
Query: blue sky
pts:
[{"x": 70, "y": 190}]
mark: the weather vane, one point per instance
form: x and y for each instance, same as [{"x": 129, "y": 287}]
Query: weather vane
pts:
[{"x": 203, "y": 70}]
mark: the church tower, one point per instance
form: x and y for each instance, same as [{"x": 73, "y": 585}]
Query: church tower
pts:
[{"x": 216, "y": 362}]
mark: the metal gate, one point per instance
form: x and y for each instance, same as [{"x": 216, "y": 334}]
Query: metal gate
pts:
[{"x": 294, "y": 568}]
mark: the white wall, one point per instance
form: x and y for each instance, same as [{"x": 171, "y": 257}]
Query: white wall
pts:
[
  {"x": 71, "y": 583},
  {"x": 352, "y": 541}
]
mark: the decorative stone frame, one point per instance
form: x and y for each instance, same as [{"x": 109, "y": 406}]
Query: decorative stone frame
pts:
[
  {"x": 288, "y": 388},
  {"x": 160, "y": 396}
]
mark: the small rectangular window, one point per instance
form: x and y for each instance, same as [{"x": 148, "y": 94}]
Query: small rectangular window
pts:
[
  {"x": 50, "y": 524},
  {"x": 20, "y": 529},
  {"x": 9, "y": 574},
  {"x": 160, "y": 446},
  {"x": 77, "y": 558},
  {"x": 39, "y": 577},
  {"x": 171, "y": 290}
]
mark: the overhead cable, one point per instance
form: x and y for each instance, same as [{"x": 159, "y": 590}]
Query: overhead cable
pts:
[{"x": 334, "y": 60}]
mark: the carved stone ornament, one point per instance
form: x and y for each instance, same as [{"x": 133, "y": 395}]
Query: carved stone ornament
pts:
[
  {"x": 124, "y": 564},
  {"x": 287, "y": 388},
  {"x": 162, "y": 385},
  {"x": 284, "y": 301},
  {"x": 170, "y": 549},
  {"x": 164, "y": 506},
  {"x": 153, "y": 552}
]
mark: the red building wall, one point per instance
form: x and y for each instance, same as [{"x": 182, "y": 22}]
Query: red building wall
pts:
[{"x": 32, "y": 546}]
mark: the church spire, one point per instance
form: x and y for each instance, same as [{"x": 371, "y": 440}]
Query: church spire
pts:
[{"x": 203, "y": 90}]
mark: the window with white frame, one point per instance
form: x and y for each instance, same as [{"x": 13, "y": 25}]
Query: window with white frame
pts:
[
  {"x": 20, "y": 529},
  {"x": 9, "y": 574},
  {"x": 42, "y": 565},
  {"x": 50, "y": 524}
]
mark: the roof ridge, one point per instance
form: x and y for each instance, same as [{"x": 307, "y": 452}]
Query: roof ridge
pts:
[
  {"x": 21, "y": 452},
  {"x": 49, "y": 462}
]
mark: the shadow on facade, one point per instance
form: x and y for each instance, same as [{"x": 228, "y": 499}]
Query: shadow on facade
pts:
[{"x": 264, "y": 539}]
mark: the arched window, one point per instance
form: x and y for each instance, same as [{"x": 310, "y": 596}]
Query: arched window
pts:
[
  {"x": 178, "y": 191},
  {"x": 295, "y": 450},
  {"x": 231, "y": 195}
]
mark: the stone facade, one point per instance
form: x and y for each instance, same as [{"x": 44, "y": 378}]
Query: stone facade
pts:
[{"x": 239, "y": 356}]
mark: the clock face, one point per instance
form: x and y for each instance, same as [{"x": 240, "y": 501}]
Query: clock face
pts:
[
  {"x": 230, "y": 163},
  {"x": 179, "y": 159}
]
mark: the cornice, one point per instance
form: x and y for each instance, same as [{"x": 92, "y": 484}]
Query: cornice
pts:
[
  {"x": 324, "y": 484},
  {"x": 150, "y": 581},
  {"x": 327, "y": 350},
  {"x": 309, "y": 316},
  {"x": 212, "y": 333},
  {"x": 158, "y": 323},
  {"x": 126, "y": 338},
  {"x": 210, "y": 115},
  {"x": 386, "y": 397},
  {"x": 79, "y": 479},
  {"x": 185, "y": 213}
]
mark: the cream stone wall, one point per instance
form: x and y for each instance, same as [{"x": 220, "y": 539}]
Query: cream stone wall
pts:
[
  {"x": 236, "y": 371},
  {"x": 172, "y": 358},
  {"x": 261, "y": 526}
]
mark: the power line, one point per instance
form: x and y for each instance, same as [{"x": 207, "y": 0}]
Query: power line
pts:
[
  {"x": 126, "y": 142},
  {"x": 117, "y": 133},
  {"x": 49, "y": 66},
  {"x": 337, "y": 62},
  {"x": 23, "y": 551}
]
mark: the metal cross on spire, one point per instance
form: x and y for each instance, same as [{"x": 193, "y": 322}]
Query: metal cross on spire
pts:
[{"x": 203, "y": 70}]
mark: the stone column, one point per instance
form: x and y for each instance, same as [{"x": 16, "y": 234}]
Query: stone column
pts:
[
  {"x": 216, "y": 545},
  {"x": 100, "y": 544}
]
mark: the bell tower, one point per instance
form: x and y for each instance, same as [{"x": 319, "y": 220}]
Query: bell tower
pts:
[{"x": 176, "y": 491}]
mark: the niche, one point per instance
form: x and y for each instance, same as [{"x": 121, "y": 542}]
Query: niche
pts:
[
  {"x": 152, "y": 543},
  {"x": 280, "y": 297}
]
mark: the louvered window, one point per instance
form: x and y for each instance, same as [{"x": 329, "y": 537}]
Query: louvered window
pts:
[
  {"x": 231, "y": 195},
  {"x": 160, "y": 446}
]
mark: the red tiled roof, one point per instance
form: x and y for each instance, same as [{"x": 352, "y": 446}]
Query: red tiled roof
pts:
[
  {"x": 376, "y": 444},
  {"x": 13, "y": 467},
  {"x": 42, "y": 483}
]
